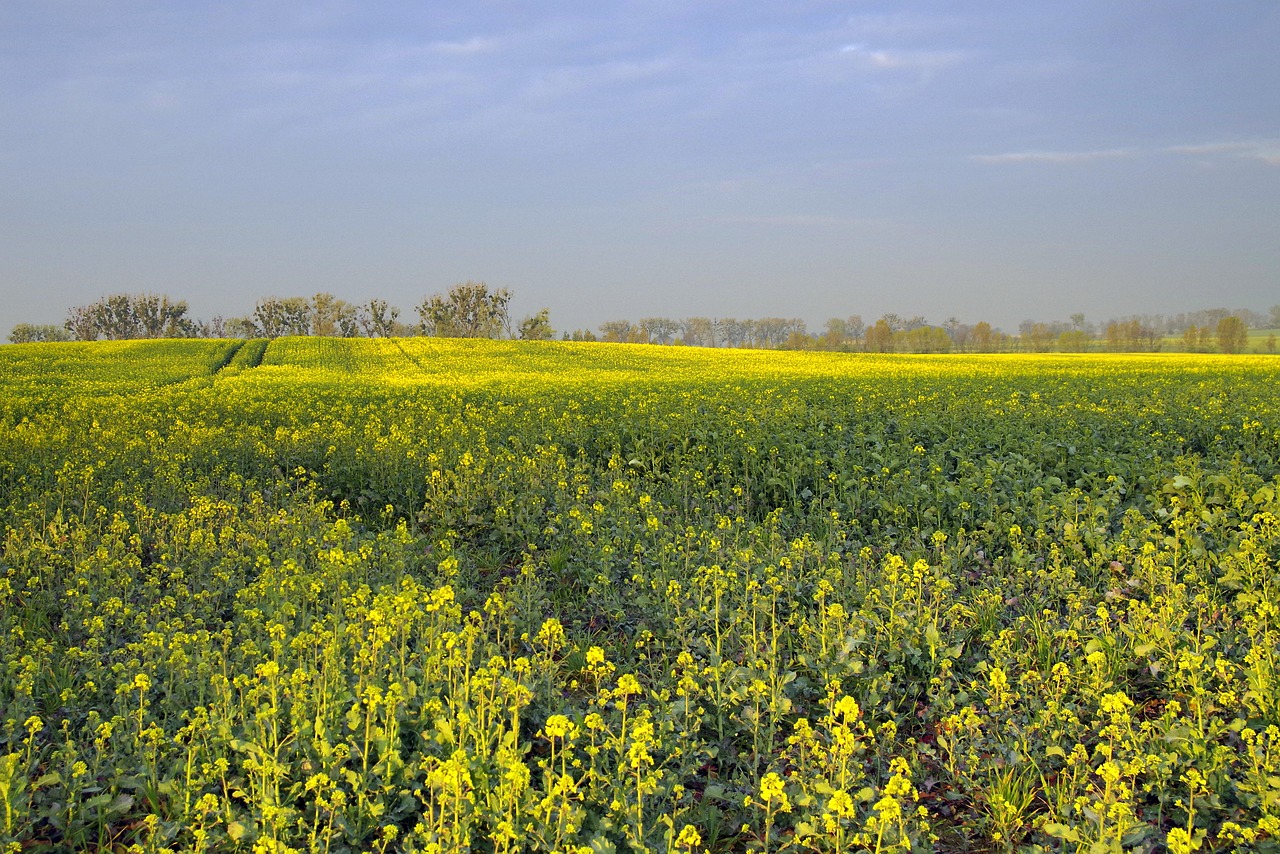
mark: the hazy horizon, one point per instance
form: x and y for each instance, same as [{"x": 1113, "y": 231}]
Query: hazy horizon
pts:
[{"x": 997, "y": 161}]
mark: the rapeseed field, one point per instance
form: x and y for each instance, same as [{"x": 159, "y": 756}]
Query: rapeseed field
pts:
[{"x": 427, "y": 595}]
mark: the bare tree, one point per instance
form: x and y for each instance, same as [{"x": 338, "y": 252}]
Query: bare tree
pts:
[
  {"x": 619, "y": 332},
  {"x": 698, "y": 332},
  {"x": 774, "y": 331},
  {"x": 126, "y": 316},
  {"x": 81, "y": 323},
  {"x": 274, "y": 317},
  {"x": 733, "y": 332},
  {"x": 377, "y": 318},
  {"x": 659, "y": 330},
  {"x": 854, "y": 327}
]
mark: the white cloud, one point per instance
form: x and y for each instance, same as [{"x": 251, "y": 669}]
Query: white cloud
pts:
[
  {"x": 1055, "y": 156},
  {"x": 1208, "y": 148},
  {"x": 469, "y": 47},
  {"x": 892, "y": 59},
  {"x": 1265, "y": 150}
]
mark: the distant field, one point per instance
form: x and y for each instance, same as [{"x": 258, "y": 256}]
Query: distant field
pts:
[
  {"x": 1257, "y": 342},
  {"x": 1258, "y": 338},
  {"x": 441, "y": 595}
]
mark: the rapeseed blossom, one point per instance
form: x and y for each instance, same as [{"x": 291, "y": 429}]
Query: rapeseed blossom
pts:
[{"x": 427, "y": 595}]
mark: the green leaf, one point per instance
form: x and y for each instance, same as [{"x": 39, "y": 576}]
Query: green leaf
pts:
[
  {"x": 98, "y": 801},
  {"x": 1061, "y": 831},
  {"x": 602, "y": 845},
  {"x": 444, "y": 732},
  {"x": 53, "y": 778},
  {"x": 121, "y": 804}
]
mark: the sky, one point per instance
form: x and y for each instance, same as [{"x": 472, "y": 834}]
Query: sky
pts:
[{"x": 990, "y": 160}]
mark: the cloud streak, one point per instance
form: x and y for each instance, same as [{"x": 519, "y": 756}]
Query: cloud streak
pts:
[
  {"x": 922, "y": 62},
  {"x": 1264, "y": 151},
  {"x": 1055, "y": 156},
  {"x": 467, "y": 47}
]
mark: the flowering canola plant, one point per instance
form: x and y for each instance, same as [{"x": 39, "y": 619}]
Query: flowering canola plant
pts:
[{"x": 431, "y": 595}]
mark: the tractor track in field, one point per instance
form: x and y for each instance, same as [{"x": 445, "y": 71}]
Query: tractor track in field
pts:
[
  {"x": 235, "y": 347},
  {"x": 412, "y": 358},
  {"x": 242, "y": 355}
]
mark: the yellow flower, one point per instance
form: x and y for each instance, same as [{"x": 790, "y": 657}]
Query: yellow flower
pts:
[
  {"x": 1115, "y": 704},
  {"x": 847, "y": 708},
  {"x": 551, "y": 634},
  {"x": 628, "y": 685},
  {"x": 772, "y": 793},
  {"x": 1179, "y": 841},
  {"x": 559, "y": 726},
  {"x": 689, "y": 837},
  {"x": 841, "y": 804}
]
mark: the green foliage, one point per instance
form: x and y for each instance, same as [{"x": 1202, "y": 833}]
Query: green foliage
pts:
[
  {"x": 537, "y": 327},
  {"x": 276, "y": 317},
  {"x": 28, "y": 333},
  {"x": 468, "y": 310},
  {"x": 331, "y": 316},
  {"x": 128, "y": 316},
  {"x": 1233, "y": 334},
  {"x": 378, "y": 318}
]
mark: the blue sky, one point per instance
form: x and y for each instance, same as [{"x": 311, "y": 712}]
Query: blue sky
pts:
[{"x": 987, "y": 160}]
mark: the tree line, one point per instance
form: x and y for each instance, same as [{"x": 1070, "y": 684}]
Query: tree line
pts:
[
  {"x": 1211, "y": 330},
  {"x": 474, "y": 310},
  {"x": 467, "y": 310}
]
